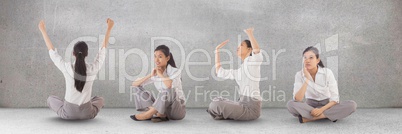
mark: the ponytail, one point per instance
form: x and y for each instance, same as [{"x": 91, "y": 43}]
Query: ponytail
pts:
[
  {"x": 321, "y": 64},
  {"x": 171, "y": 61},
  {"x": 80, "y": 69}
]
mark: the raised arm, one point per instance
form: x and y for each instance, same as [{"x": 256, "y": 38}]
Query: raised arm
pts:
[
  {"x": 254, "y": 43},
  {"x": 42, "y": 29},
  {"x": 100, "y": 57},
  {"x": 110, "y": 24},
  {"x": 217, "y": 58}
]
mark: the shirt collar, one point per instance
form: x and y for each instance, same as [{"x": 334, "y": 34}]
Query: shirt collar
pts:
[{"x": 320, "y": 70}]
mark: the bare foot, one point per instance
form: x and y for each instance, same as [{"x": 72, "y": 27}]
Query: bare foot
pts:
[
  {"x": 143, "y": 116},
  {"x": 305, "y": 120},
  {"x": 322, "y": 116},
  {"x": 146, "y": 115}
]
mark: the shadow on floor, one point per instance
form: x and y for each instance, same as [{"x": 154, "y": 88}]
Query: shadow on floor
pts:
[{"x": 60, "y": 120}]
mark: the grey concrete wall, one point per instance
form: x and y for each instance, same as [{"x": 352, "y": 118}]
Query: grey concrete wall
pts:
[{"x": 359, "y": 40}]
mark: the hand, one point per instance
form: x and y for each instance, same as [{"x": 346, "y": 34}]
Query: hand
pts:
[
  {"x": 249, "y": 30},
  {"x": 222, "y": 44},
  {"x": 316, "y": 112},
  {"x": 42, "y": 26},
  {"x": 306, "y": 73},
  {"x": 110, "y": 23},
  {"x": 159, "y": 72},
  {"x": 153, "y": 73}
]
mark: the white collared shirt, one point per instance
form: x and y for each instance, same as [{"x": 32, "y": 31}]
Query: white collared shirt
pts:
[
  {"x": 247, "y": 76},
  {"x": 174, "y": 74},
  {"x": 67, "y": 68},
  {"x": 324, "y": 86}
]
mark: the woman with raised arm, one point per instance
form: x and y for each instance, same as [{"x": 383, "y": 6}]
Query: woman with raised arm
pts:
[
  {"x": 79, "y": 77},
  {"x": 170, "y": 101},
  {"x": 318, "y": 85},
  {"x": 248, "y": 107}
]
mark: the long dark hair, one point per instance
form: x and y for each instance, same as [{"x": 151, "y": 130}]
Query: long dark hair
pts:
[
  {"x": 248, "y": 45},
  {"x": 80, "y": 70},
  {"x": 166, "y": 51},
  {"x": 315, "y": 51}
]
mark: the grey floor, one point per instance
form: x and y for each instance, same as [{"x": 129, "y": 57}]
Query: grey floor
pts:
[{"x": 43, "y": 120}]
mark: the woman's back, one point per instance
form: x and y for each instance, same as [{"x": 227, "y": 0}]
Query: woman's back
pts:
[{"x": 72, "y": 95}]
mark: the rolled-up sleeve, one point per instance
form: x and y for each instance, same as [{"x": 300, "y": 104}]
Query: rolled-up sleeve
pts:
[
  {"x": 226, "y": 74},
  {"x": 256, "y": 57},
  {"x": 57, "y": 60},
  {"x": 148, "y": 81},
  {"x": 176, "y": 79},
  {"x": 298, "y": 84},
  {"x": 175, "y": 76},
  {"x": 333, "y": 87},
  {"x": 99, "y": 60}
]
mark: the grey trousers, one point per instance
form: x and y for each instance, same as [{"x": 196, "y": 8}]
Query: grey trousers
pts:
[
  {"x": 70, "y": 111},
  {"x": 166, "y": 102},
  {"x": 247, "y": 108},
  {"x": 338, "y": 111}
]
